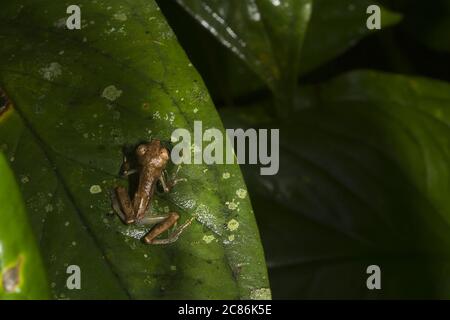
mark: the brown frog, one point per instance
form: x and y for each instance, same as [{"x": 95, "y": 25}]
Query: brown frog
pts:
[{"x": 152, "y": 159}]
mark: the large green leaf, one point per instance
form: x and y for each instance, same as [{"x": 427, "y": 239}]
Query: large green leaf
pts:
[
  {"x": 79, "y": 97},
  {"x": 22, "y": 274},
  {"x": 266, "y": 34},
  {"x": 364, "y": 180}
]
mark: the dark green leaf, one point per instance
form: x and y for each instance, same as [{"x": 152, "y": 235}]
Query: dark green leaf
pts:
[
  {"x": 22, "y": 274},
  {"x": 364, "y": 180},
  {"x": 429, "y": 22},
  {"x": 78, "y": 98},
  {"x": 226, "y": 76},
  {"x": 336, "y": 26},
  {"x": 266, "y": 34}
]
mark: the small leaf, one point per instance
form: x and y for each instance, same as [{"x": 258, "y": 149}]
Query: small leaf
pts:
[
  {"x": 78, "y": 99},
  {"x": 22, "y": 275}
]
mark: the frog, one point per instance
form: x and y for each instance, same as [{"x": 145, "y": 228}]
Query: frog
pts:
[{"x": 152, "y": 159}]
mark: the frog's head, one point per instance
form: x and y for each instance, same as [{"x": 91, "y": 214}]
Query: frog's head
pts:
[{"x": 153, "y": 153}]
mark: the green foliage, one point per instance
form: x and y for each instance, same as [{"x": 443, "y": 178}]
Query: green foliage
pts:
[
  {"x": 265, "y": 34},
  {"x": 364, "y": 179},
  {"x": 364, "y": 176},
  {"x": 335, "y": 27},
  {"x": 22, "y": 275},
  {"x": 78, "y": 99},
  {"x": 429, "y": 22},
  {"x": 268, "y": 37}
]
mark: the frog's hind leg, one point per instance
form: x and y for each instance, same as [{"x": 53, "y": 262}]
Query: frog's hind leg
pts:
[
  {"x": 122, "y": 205},
  {"x": 171, "y": 219},
  {"x": 152, "y": 219}
]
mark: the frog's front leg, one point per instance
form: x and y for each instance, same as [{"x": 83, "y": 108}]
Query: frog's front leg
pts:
[
  {"x": 122, "y": 205},
  {"x": 126, "y": 169},
  {"x": 167, "y": 183}
]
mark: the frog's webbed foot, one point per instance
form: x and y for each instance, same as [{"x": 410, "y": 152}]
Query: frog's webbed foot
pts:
[
  {"x": 121, "y": 204},
  {"x": 170, "y": 220},
  {"x": 167, "y": 183}
]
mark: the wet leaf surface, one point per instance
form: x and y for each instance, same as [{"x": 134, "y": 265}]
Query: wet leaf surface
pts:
[
  {"x": 79, "y": 98},
  {"x": 267, "y": 35}
]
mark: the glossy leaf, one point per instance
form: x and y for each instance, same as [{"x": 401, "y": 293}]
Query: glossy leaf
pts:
[
  {"x": 364, "y": 180},
  {"x": 335, "y": 27},
  {"x": 226, "y": 76},
  {"x": 22, "y": 274},
  {"x": 79, "y": 98},
  {"x": 266, "y": 34}
]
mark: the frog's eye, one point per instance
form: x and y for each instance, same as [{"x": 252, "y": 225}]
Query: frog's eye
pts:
[
  {"x": 164, "y": 153},
  {"x": 141, "y": 150}
]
